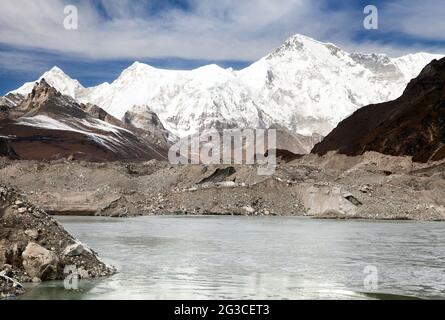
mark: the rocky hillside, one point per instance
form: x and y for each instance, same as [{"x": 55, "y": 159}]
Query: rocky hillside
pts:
[
  {"x": 8, "y": 103},
  {"x": 413, "y": 125},
  {"x": 146, "y": 124},
  {"x": 371, "y": 186},
  {"x": 48, "y": 125},
  {"x": 35, "y": 247}
]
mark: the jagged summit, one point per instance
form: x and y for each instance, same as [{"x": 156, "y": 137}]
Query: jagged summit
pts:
[
  {"x": 138, "y": 67},
  {"x": 300, "y": 38},
  {"x": 58, "y": 79},
  {"x": 297, "y": 40},
  {"x": 57, "y": 70},
  {"x": 49, "y": 125},
  {"x": 42, "y": 87}
]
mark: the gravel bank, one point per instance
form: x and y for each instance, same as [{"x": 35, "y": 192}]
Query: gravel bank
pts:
[{"x": 372, "y": 186}]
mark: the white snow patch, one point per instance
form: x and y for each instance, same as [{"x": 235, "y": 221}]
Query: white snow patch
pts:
[{"x": 84, "y": 127}]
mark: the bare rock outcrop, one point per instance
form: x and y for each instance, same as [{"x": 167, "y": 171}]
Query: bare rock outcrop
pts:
[
  {"x": 34, "y": 246},
  {"x": 328, "y": 201},
  {"x": 413, "y": 125},
  {"x": 47, "y": 125},
  {"x": 146, "y": 124}
]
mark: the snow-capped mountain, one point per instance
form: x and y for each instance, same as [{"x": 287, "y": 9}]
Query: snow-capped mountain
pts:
[
  {"x": 48, "y": 125},
  {"x": 309, "y": 86},
  {"x": 412, "y": 125},
  {"x": 305, "y": 85},
  {"x": 57, "y": 79},
  {"x": 185, "y": 101}
]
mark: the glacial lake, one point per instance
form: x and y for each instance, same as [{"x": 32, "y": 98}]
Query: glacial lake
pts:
[{"x": 166, "y": 257}]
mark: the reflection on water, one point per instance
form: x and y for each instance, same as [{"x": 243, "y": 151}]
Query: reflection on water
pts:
[{"x": 257, "y": 258}]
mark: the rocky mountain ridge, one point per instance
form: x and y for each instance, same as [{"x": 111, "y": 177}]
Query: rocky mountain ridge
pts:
[
  {"x": 306, "y": 86},
  {"x": 412, "y": 125},
  {"x": 48, "y": 125}
]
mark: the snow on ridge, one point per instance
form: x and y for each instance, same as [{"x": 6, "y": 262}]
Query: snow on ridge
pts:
[
  {"x": 46, "y": 122},
  {"x": 305, "y": 85},
  {"x": 84, "y": 127},
  {"x": 57, "y": 79}
]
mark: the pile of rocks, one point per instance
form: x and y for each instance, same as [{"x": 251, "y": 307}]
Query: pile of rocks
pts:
[
  {"x": 8, "y": 286},
  {"x": 370, "y": 186},
  {"x": 35, "y": 247}
]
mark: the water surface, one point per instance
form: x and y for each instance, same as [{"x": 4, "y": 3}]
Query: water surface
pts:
[{"x": 257, "y": 258}]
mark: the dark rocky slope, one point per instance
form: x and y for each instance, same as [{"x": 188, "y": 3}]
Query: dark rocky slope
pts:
[
  {"x": 413, "y": 125},
  {"x": 8, "y": 103},
  {"x": 47, "y": 125}
]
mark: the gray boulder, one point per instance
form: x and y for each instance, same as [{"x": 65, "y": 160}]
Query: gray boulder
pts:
[
  {"x": 73, "y": 250},
  {"x": 40, "y": 262}
]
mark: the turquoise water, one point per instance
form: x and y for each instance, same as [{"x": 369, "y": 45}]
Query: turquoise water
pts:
[{"x": 258, "y": 258}]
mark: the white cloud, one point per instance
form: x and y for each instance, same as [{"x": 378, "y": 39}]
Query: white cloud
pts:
[
  {"x": 22, "y": 63},
  {"x": 211, "y": 30},
  {"x": 218, "y": 30},
  {"x": 424, "y": 19}
]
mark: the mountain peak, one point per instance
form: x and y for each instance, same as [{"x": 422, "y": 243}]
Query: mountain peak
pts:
[
  {"x": 56, "y": 69},
  {"x": 136, "y": 68},
  {"x": 139, "y": 66},
  {"x": 57, "y": 78},
  {"x": 314, "y": 85},
  {"x": 211, "y": 68},
  {"x": 136, "y": 65},
  {"x": 42, "y": 84},
  {"x": 42, "y": 88},
  {"x": 300, "y": 37},
  {"x": 56, "y": 73},
  {"x": 302, "y": 43}
]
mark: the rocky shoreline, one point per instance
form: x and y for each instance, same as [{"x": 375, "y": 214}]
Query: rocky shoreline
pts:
[
  {"x": 371, "y": 186},
  {"x": 34, "y": 247}
]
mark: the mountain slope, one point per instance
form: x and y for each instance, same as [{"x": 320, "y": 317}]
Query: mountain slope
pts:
[
  {"x": 55, "y": 78},
  {"x": 8, "y": 103},
  {"x": 146, "y": 124},
  {"x": 185, "y": 101},
  {"x": 310, "y": 86},
  {"x": 413, "y": 125},
  {"x": 48, "y": 125},
  {"x": 305, "y": 86}
]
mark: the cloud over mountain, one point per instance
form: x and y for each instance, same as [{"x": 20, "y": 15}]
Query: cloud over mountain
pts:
[{"x": 219, "y": 30}]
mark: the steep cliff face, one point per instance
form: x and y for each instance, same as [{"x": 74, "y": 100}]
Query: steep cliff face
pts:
[
  {"x": 413, "y": 125},
  {"x": 145, "y": 123},
  {"x": 48, "y": 125}
]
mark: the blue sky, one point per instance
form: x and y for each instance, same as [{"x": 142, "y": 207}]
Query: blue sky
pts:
[{"x": 184, "y": 34}]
